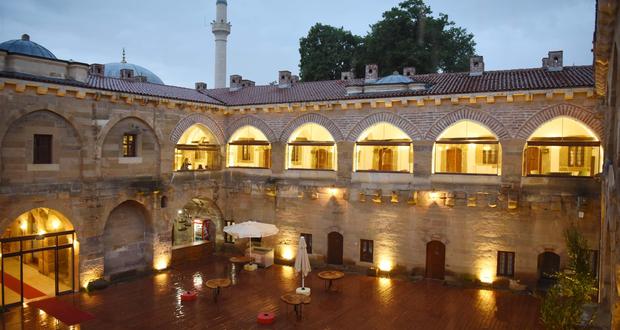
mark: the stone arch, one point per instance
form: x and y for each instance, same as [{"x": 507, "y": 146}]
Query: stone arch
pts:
[
  {"x": 67, "y": 147},
  {"x": 128, "y": 239},
  {"x": 21, "y": 208},
  {"x": 113, "y": 122},
  {"x": 583, "y": 115},
  {"x": 251, "y": 120},
  {"x": 203, "y": 208},
  {"x": 193, "y": 119},
  {"x": 485, "y": 119},
  {"x": 387, "y": 117},
  {"x": 311, "y": 118},
  {"x": 16, "y": 115}
]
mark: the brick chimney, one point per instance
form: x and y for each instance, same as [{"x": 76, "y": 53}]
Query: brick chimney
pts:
[
  {"x": 127, "y": 74},
  {"x": 284, "y": 79},
  {"x": 235, "y": 82},
  {"x": 201, "y": 86},
  {"x": 409, "y": 71},
  {"x": 349, "y": 75},
  {"x": 554, "y": 61},
  {"x": 96, "y": 69},
  {"x": 372, "y": 72},
  {"x": 476, "y": 66},
  {"x": 247, "y": 83},
  {"x": 294, "y": 78}
]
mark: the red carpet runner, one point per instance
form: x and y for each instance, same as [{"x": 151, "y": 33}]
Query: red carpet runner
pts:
[
  {"x": 12, "y": 283},
  {"x": 63, "y": 311}
]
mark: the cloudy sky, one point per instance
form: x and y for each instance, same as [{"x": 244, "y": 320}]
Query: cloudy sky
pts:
[{"x": 173, "y": 38}]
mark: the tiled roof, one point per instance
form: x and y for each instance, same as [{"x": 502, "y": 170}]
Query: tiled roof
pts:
[{"x": 438, "y": 84}]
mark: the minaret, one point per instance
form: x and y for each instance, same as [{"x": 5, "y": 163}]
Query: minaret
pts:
[{"x": 221, "y": 30}]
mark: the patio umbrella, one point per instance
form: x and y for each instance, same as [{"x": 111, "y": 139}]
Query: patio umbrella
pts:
[
  {"x": 250, "y": 229},
  {"x": 302, "y": 263}
]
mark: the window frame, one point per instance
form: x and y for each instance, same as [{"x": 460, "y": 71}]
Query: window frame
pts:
[
  {"x": 560, "y": 143},
  {"x": 247, "y": 143},
  {"x": 294, "y": 150},
  {"x": 130, "y": 146},
  {"x": 448, "y": 142},
  {"x": 384, "y": 144},
  {"x": 308, "y": 238},
  {"x": 46, "y": 157},
  {"x": 502, "y": 269},
  {"x": 229, "y": 239},
  {"x": 367, "y": 250}
]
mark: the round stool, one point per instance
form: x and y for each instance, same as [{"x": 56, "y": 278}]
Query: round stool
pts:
[
  {"x": 265, "y": 318},
  {"x": 188, "y": 296}
]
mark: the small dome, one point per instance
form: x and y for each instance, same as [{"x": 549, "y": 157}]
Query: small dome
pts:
[
  {"x": 394, "y": 78},
  {"x": 114, "y": 70},
  {"x": 26, "y": 47}
]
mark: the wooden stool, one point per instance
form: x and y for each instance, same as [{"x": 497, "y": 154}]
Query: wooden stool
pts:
[{"x": 217, "y": 284}]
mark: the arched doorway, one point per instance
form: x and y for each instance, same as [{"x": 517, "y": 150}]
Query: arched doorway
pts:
[
  {"x": 435, "y": 260},
  {"x": 194, "y": 230},
  {"x": 127, "y": 241},
  {"x": 38, "y": 257},
  {"x": 334, "y": 248},
  {"x": 548, "y": 265}
]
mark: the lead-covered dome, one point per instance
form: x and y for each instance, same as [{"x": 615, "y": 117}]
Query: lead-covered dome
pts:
[
  {"x": 26, "y": 47},
  {"x": 394, "y": 78},
  {"x": 114, "y": 70}
]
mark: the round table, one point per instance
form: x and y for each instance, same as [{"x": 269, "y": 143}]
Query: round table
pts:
[
  {"x": 330, "y": 276},
  {"x": 297, "y": 300},
  {"x": 216, "y": 284},
  {"x": 239, "y": 261}
]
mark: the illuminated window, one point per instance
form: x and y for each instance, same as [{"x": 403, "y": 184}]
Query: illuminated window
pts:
[
  {"x": 308, "y": 238},
  {"x": 384, "y": 148},
  {"x": 249, "y": 147},
  {"x": 505, "y": 263},
  {"x": 562, "y": 147},
  {"x": 197, "y": 150},
  {"x": 227, "y": 237},
  {"x": 468, "y": 148},
  {"x": 366, "y": 250},
  {"x": 129, "y": 145},
  {"x": 311, "y": 147}
]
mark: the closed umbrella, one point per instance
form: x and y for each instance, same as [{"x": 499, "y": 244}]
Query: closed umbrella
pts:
[
  {"x": 251, "y": 229},
  {"x": 302, "y": 264}
]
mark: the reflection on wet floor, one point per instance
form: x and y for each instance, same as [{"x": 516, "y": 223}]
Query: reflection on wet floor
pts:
[{"x": 361, "y": 302}]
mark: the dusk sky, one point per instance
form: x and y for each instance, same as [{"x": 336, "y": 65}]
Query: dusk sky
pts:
[{"x": 173, "y": 38}]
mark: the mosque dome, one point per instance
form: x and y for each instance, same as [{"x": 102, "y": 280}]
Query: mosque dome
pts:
[
  {"x": 114, "y": 70},
  {"x": 26, "y": 47},
  {"x": 394, "y": 78}
]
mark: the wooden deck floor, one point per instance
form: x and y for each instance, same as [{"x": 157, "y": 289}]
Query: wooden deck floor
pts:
[{"x": 362, "y": 303}]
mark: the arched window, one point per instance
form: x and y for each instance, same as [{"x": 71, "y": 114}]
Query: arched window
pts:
[
  {"x": 197, "y": 150},
  {"x": 249, "y": 147},
  {"x": 469, "y": 148},
  {"x": 562, "y": 147},
  {"x": 311, "y": 147},
  {"x": 383, "y": 148}
]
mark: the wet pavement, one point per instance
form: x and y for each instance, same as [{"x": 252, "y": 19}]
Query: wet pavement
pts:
[{"x": 359, "y": 302}]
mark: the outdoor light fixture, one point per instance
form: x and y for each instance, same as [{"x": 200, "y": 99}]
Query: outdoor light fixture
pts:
[
  {"x": 385, "y": 265},
  {"x": 332, "y": 191},
  {"x": 287, "y": 252},
  {"x": 55, "y": 224},
  {"x": 161, "y": 263},
  {"x": 486, "y": 276},
  {"x": 23, "y": 226},
  {"x": 180, "y": 211}
]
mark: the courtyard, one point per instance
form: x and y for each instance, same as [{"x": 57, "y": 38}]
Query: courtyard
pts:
[{"x": 359, "y": 302}]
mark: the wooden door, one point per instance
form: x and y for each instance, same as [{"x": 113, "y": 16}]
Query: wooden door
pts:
[
  {"x": 454, "y": 157},
  {"x": 548, "y": 264},
  {"x": 334, "y": 248},
  {"x": 532, "y": 160},
  {"x": 435, "y": 260}
]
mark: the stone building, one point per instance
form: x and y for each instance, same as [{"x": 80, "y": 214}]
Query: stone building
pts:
[{"x": 472, "y": 174}]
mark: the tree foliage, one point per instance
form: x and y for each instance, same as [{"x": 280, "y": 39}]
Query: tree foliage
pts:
[
  {"x": 407, "y": 35},
  {"x": 562, "y": 308}
]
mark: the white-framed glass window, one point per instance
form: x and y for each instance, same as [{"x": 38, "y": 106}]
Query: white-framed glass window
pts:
[
  {"x": 467, "y": 147},
  {"x": 311, "y": 147}
]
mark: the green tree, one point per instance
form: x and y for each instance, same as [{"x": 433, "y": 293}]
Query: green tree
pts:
[
  {"x": 408, "y": 35},
  {"x": 326, "y": 52},
  {"x": 562, "y": 307}
]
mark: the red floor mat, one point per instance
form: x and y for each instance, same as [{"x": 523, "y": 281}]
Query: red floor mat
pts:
[
  {"x": 13, "y": 284},
  {"x": 63, "y": 311}
]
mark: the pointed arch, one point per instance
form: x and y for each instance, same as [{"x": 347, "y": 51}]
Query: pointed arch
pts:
[
  {"x": 388, "y": 117},
  {"x": 251, "y": 120},
  {"x": 583, "y": 115},
  {"x": 487, "y": 120},
  {"x": 193, "y": 119},
  {"x": 112, "y": 123},
  {"x": 311, "y": 118}
]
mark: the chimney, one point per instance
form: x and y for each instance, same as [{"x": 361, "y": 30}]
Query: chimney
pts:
[
  {"x": 284, "y": 79},
  {"x": 235, "y": 82},
  {"x": 476, "y": 66},
  {"x": 201, "y": 86},
  {"x": 294, "y": 78},
  {"x": 96, "y": 69},
  {"x": 139, "y": 78},
  {"x": 247, "y": 83},
  {"x": 349, "y": 75},
  {"x": 372, "y": 72},
  {"x": 554, "y": 62},
  {"x": 409, "y": 71},
  {"x": 126, "y": 74}
]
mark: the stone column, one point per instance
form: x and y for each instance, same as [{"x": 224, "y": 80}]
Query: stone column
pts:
[
  {"x": 278, "y": 157},
  {"x": 512, "y": 160},
  {"x": 423, "y": 159},
  {"x": 345, "y": 150}
]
